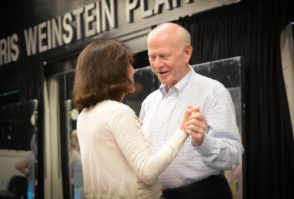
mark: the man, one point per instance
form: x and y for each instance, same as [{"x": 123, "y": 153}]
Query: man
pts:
[
  {"x": 26, "y": 166},
  {"x": 214, "y": 145}
]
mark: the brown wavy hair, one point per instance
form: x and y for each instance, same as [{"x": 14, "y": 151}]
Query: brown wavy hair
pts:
[{"x": 102, "y": 72}]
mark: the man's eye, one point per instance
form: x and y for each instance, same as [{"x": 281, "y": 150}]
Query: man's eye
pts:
[{"x": 167, "y": 56}]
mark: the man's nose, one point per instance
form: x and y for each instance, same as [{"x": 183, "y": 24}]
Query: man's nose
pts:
[{"x": 158, "y": 62}]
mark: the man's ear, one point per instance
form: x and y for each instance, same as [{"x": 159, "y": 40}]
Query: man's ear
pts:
[{"x": 188, "y": 52}]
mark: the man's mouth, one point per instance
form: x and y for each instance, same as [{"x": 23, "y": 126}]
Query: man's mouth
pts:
[{"x": 163, "y": 72}]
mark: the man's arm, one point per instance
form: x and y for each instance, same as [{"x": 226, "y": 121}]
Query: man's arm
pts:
[{"x": 216, "y": 136}]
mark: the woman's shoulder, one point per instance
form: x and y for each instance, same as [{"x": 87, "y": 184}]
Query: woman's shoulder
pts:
[
  {"x": 113, "y": 107},
  {"x": 107, "y": 109}
]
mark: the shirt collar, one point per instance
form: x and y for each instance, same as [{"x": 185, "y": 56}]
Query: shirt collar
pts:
[{"x": 179, "y": 87}]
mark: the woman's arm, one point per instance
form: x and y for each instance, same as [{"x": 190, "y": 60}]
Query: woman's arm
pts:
[{"x": 129, "y": 136}]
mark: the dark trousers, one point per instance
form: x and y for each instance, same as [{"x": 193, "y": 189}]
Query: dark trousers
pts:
[{"x": 213, "y": 187}]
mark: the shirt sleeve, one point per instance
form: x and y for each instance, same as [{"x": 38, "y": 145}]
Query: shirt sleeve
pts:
[
  {"x": 129, "y": 136},
  {"x": 221, "y": 148}
]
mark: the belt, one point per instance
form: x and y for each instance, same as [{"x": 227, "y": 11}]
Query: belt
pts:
[{"x": 211, "y": 181}]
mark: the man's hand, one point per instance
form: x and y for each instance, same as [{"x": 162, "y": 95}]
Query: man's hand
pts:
[{"x": 196, "y": 126}]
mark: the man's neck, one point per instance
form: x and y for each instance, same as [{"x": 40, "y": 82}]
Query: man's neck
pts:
[{"x": 188, "y": 69}]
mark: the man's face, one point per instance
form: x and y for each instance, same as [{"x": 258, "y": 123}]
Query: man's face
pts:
[{"x": 168, "y": 59}]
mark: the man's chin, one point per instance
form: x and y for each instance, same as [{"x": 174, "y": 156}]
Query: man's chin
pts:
[{"x": 163, "y": 81}]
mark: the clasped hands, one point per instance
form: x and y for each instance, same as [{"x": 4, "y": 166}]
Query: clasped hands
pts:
[{"x": 194, "y": 124}]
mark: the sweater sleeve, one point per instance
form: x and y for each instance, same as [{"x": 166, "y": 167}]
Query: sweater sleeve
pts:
[{"x": 126, "y": 129}]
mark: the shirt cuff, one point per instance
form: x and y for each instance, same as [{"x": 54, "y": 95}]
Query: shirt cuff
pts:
[{"x": 207, "y": 145}]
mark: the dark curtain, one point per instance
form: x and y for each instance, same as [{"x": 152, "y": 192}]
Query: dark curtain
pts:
[
  {"x": 251, "y": 29},
  {"x": 30, "y": 84}
]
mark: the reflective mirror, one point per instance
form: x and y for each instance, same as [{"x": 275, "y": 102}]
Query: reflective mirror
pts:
[
  {"x": 19, "y": 150},
  {"x": 76, "y": 172},
  {"x": 72, "y": 174},
  {"x": 149, "y": 82}
]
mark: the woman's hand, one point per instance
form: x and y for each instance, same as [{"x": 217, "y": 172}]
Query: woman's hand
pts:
[{"x": 186, "y": 117}]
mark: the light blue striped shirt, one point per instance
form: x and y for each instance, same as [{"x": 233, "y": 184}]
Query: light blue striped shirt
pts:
[{"x": 162, "y": 114}]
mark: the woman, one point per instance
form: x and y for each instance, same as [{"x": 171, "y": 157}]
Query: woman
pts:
[{"x": 116, "y": 159}]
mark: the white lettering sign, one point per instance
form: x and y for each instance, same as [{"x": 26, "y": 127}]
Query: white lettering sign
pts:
[
  {"x": 69, "y": 32},
  {"x": 95, "y": 18},
  {"x": 85, "y": 21},
  {"x": 9, "y": 50}
]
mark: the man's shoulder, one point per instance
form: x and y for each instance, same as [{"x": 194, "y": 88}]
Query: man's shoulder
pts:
[
  {"x": 153, "y": 95},
  {"x": 205, "y": 81}
]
